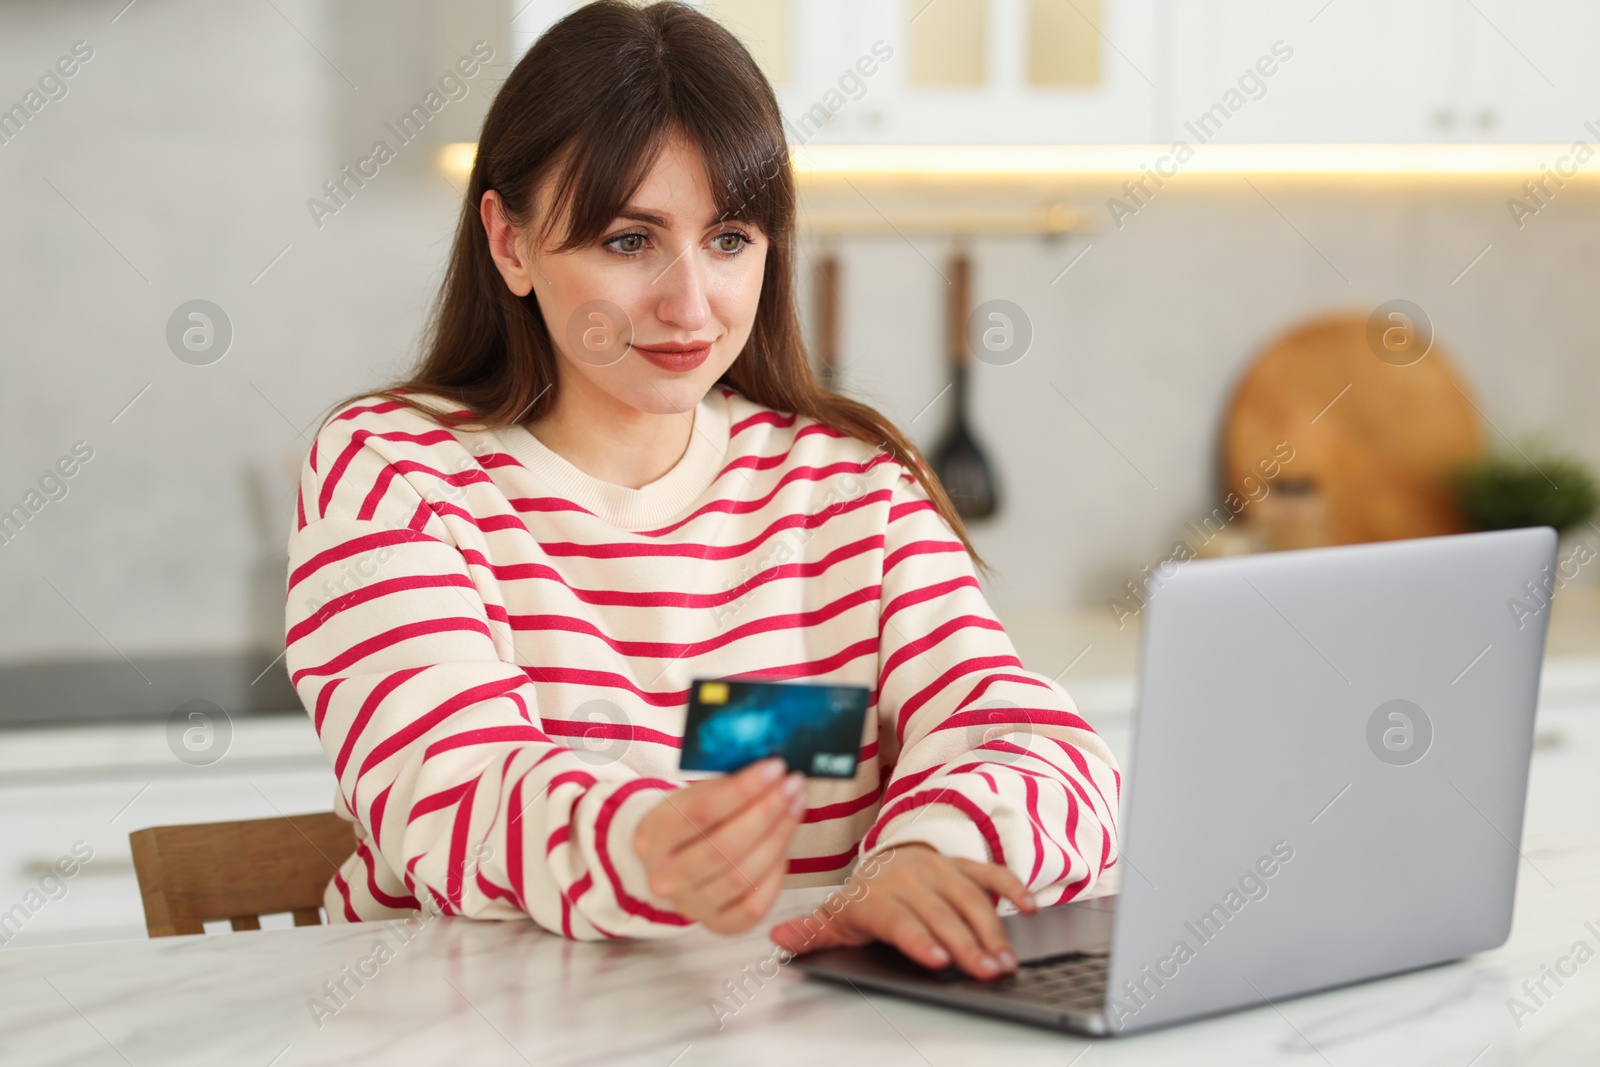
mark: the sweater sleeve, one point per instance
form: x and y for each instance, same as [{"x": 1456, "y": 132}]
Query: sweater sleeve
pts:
[
  {"x": 400, "y": 651},
  {"x": 994, "y": 762}
]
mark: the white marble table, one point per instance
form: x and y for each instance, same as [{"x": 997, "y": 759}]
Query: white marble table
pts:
[{"x": 461, "y": 992}]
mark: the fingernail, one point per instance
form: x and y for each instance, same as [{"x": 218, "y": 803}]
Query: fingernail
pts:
[
  {"x": 1007, "y": 959},
  {"x": 797, "y": 805},
  {"x": 1030, "y": 901},
  {"x": 940, "y": 957},
  {"x": 988, "y": 963},
  {"x": 795, "y": 785},
  {"x": 772, "y": 769}
]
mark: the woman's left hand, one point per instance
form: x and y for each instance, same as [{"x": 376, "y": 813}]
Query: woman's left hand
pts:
[{"x": 930, "y": 906}]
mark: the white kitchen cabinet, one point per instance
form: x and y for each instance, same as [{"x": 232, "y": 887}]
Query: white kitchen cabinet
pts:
[
  {"x": 1364, "y": 70},
  {"x": 1531, "y": 74},
  {"x": 1424, "y": 71},
  {"x": 831, "y": 36},
  {"x": 1564, "y": 783},
  {"x": 1345, "y": 71},
  {"x": 41, "y": 823},
  {"x": 96, "y": 784}
]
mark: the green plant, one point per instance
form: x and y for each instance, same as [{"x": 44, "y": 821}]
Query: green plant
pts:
[{"x": 1531, "y": 487}]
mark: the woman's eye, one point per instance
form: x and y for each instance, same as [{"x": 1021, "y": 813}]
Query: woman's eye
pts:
[{"x": 629, "y": 244}]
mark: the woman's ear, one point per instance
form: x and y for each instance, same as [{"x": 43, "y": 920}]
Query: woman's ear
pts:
[{"x": 514, "y": 266}]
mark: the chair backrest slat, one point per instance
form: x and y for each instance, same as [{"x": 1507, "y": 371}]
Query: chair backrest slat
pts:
[{"x": 239, "y": 871}]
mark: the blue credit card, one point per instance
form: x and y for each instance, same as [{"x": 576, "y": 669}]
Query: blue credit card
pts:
[{"x": 815, "y": 728}]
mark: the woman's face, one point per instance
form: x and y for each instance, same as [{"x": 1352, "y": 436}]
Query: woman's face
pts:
[{"x": 664, "y": 274}]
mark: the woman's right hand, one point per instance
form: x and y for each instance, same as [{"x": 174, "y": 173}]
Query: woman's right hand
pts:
[{"x": 718, "y": 849}]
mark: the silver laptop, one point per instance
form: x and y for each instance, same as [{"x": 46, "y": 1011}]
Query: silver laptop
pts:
[{"x": 1330, "y": 759}]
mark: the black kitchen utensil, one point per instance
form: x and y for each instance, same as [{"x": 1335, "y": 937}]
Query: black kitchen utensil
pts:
[{"x": 957, "y": 459}]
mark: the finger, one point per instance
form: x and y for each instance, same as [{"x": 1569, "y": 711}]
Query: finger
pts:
[
  {"x": 731, "y": 878},
  {"x": 977, "y": 909},
  {"x": 718, "y": 867},
  {"x": 907, "y": 931},
  {"x": 702, "y": 805},
  {"x": 728, "y": 844},
  {"x": 744, "y": 912},
  {"x": 820, "y": 929},
  {"x": 950, "y": 928},
  {"x": 1001, "y": 882}
]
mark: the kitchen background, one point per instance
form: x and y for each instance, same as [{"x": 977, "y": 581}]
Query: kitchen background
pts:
[{"x": 1336, "y": 155}]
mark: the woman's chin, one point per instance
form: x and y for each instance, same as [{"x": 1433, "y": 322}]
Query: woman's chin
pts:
[{"x": 661, "y": 394}]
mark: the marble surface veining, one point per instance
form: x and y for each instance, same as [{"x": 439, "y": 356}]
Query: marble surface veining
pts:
[{"x": 457, "y": 991}]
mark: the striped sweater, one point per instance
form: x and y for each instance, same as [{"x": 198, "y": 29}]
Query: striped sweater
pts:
[{"x": 496, "y": 650}]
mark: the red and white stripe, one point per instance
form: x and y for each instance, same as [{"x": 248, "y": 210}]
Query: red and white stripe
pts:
[{"x": 451, "y": 621}]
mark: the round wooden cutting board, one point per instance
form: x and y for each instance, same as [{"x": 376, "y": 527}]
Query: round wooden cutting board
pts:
[{"x": 1379, "y": 439}]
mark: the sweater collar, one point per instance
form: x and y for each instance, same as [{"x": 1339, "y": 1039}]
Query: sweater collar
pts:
[{"x": 656, "y": 504}]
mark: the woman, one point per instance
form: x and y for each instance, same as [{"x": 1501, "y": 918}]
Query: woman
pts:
[{"x": 613, "y": 473}]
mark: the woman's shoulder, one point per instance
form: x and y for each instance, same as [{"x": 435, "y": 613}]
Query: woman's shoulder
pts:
[
  {"x": 369, "y": 440},
  {"x": 798, "y": 439},
  {"x": 394, "y": 415},
  {"x": 377, "y": 430}
]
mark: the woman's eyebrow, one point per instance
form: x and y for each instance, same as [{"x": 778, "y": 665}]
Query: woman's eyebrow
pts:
[{"x": 639, "y": 214}]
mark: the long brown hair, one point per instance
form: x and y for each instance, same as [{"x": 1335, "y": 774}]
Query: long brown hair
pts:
[{"x": 591, "y": 105}]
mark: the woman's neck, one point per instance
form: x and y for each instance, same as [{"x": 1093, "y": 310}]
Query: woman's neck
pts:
[{"x": 612, "y": 441}]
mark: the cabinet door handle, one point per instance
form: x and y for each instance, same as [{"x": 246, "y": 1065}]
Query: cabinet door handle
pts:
[
  {"x": 1548, "y": 739},
  {"x": 39, "y": 866}
]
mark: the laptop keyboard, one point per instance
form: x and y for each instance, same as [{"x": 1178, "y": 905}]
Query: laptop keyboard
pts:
[{"x": 1075, "y": 981}]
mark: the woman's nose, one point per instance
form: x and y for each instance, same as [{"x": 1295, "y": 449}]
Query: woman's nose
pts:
[{"x": 682, "y": 296}]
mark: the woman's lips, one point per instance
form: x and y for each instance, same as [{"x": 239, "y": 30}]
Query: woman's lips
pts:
[{"x": 685, "y": 360}]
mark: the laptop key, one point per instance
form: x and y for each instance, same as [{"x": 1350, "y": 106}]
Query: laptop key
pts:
[{"x": 1077, "y": 980}]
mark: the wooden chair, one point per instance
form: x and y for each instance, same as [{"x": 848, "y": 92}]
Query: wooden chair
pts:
[{"x": 239, "y": 871}]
